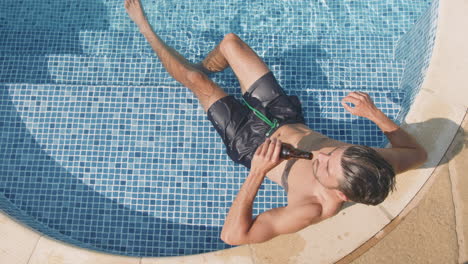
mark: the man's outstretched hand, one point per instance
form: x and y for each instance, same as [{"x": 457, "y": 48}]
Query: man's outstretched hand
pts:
[{"x": 363, "y": 105}]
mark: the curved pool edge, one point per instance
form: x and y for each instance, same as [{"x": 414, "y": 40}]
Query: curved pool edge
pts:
[
  {"x": 450, "y": 161},
  {"x": 443, "y": 99}
]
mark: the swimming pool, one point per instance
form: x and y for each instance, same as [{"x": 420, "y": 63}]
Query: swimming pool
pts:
[{"x": 102, "y": 149}]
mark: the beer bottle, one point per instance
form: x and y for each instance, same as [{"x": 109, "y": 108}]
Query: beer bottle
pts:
[{"x": 290, "y": 152}]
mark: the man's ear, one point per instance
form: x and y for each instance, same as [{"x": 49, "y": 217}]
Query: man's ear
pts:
[{"x": 342, "y": 196}]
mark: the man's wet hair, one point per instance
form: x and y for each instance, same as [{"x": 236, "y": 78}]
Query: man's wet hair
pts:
[{"x": 368, "y": 178}]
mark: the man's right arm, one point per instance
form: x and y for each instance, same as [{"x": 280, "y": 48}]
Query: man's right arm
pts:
[
  {"x": 239, "y": 227},
  {"x": 274, "y": 222},
  {"x": 406, "y": 153}
]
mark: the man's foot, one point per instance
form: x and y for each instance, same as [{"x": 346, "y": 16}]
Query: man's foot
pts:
[
  {"x": 135, "y": 12},
  {"x": 199, "y": 66}
]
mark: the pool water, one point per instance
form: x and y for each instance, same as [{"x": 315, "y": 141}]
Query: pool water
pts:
[{"x": 101, "y": 148}]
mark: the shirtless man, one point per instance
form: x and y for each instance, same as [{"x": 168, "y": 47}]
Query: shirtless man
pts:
[{"x": 317, "y": 188}]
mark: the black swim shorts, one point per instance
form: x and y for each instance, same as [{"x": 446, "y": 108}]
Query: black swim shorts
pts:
[{"x": 241, "y": 129}]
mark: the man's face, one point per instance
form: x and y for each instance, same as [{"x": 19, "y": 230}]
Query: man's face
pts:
[{"x": 327, "y": 168}]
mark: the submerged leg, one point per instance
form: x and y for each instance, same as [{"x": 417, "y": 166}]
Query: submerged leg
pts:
[{"x": 178, "y": 67}]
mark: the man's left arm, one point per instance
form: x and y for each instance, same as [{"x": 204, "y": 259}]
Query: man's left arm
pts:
[{"x": 405, "y": 153}]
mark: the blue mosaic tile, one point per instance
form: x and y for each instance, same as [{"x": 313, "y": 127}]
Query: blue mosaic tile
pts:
[
  {"x": 416, "y": 49},
  {"x": 101, "y": 148}
]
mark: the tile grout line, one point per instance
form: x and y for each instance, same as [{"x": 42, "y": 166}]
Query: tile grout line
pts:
[
  {"x": 386, "y": 213},
  {"x": 457, "y": 203},
  {"x": 34, "y": 250},
  {"x": 458, "y": 218},
  {"x": 252, "y": 257}
]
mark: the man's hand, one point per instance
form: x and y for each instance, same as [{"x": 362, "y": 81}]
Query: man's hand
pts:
[
  {"x": 363, "y": 105},
  {"x": 266, "y": 156}
]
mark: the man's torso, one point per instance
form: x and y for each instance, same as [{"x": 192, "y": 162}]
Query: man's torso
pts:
[{"x": 303, "y": 187}]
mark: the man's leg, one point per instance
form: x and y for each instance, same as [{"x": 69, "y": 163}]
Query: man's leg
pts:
[
  {"x": 178, "y": 67},
  {"x": 234, "y": 52}
]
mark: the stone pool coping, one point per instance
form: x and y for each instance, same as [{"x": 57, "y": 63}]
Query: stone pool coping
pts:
[{"x": 357, "y": 227}]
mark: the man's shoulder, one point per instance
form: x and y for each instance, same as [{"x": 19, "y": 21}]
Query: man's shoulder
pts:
[
  {"x": 311, "y": 211},
  {"x": 315, "y": 208}
]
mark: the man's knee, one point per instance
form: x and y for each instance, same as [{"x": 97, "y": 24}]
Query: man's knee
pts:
[
  {"x": 194, "y": 77},
  {"x": 231, "y": 37},
  {"x": 231, "y": 42}
]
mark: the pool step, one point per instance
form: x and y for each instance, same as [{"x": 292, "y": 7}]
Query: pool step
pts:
[
  {"x": 195, "y": 45},
  {"x": 148, "y": 71},
  {"x": 281, "y": 17},
  {"x": 146, "y": 111}
]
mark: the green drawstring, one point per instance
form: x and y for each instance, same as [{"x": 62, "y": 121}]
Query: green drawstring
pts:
[{"x": 265, "y": 119}]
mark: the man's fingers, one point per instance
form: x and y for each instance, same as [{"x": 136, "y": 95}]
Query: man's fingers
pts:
[
  {"x": 346, "y": 106},
  {"x": 361, "y": 96},
  {"x": 271, "y": 148},
  {"x": 276, "y": 154},
  {"x": 353, "y": 94},
  {"x": 259, "y": 149},
  {"x": 266, "y": 145},
  {"x": 351, "y": 99}
]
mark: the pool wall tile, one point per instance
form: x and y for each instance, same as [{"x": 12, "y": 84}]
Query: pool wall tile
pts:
[{"x": 415, "y": 48}]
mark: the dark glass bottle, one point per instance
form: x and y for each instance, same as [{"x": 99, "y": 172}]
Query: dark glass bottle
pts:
[{"x": 290, "y": 152}]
